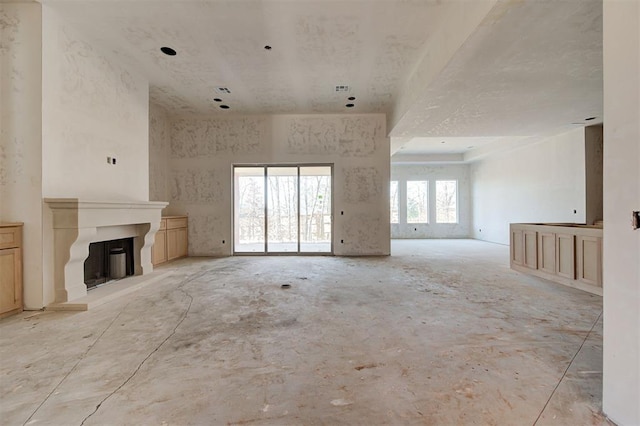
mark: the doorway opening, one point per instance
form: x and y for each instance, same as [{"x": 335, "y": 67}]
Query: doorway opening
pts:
[{"x": 283, "y": 209}]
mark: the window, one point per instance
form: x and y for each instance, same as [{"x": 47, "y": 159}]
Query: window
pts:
[
  {"x": 393, "y": 197},
  {"x": 417, "y": 201},
  {"x": 447, "y": 201}
]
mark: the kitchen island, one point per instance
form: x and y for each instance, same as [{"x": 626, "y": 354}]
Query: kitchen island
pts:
[{"x": 567, "y": 253}]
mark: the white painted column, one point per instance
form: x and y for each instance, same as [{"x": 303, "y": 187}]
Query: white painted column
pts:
[{"x": 621, "y": 381}]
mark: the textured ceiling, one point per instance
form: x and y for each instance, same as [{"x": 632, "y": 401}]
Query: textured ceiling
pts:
[
  {"x": 530, "y": 67},
  {"x": 316, "y": 45}
]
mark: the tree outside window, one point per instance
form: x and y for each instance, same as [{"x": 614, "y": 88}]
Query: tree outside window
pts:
[
  {"x": 446, "y": 201},
  {"x": 417, "y": 201}
]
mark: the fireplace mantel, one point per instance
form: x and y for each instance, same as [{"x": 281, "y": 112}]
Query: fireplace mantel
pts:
[{"x": 77, "y": 223}]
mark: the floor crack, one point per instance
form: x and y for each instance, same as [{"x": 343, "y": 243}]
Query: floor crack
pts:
[
  {"x": 82, "y": 357},
  {"x": 567, "y": 369},
  {"x": 182, "y": 318}
]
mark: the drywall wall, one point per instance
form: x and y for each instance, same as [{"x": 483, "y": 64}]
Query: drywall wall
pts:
[
  {"x": 458, "y": 172},
  {"x": 593, "y": 152},
  {"x": 159, "y": 144},
  {"x": 21, "y": 135},
  {"x": 540, "y": 182},
  {"x": 621, "y": 267},
  {"x": 203, "y": 151},
  {"x": 93, "y": 107}
]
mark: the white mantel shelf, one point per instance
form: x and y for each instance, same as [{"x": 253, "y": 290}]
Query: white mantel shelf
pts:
[
  {"x": 77, "y": 223},
  {"x": 74, "y": 203}
]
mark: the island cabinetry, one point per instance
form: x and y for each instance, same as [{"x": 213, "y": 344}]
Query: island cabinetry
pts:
[{"x": 569, "y": 254}]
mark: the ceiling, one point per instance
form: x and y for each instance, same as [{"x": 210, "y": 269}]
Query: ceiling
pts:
[{"x": 530, "y": 66}]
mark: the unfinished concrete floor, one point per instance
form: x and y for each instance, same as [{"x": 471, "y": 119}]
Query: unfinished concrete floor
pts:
[{"x": 442, "y": 332}]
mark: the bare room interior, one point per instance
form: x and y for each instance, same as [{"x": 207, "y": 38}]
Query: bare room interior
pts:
[{"x": 283, "y": 212}]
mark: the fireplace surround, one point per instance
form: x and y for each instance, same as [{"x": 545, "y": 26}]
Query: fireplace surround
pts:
[{"x": 77, "y": 223}]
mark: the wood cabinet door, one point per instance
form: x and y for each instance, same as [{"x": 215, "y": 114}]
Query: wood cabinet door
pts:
[
  {"x": 10, "y": 279},
  {"x": 589, "y": 260},
  {"x": 159, "y": 249},
  {"x": 517, "y": 247},
  {"x": 173, "y": 251},
  {"x": 530, "y": 249},
  {"x": 566, "y": 256},
  {"x": 183, "y": 243},
  {"x": 547, "y": 252}
]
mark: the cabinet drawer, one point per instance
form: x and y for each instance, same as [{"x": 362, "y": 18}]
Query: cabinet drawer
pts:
[
  {"x": 10, "y": 237},
  {"x": 176, "y": 222}
]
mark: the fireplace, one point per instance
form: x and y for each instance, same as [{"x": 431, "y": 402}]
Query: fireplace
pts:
[
  {"x": 78, "y": 224},
  {"x": 104, "y": 258}
]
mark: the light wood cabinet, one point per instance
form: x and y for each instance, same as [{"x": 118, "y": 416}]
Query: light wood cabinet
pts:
[
  {"x": 589, "y": 260},
  {"x": 569, "y": 254},
  {"x": 10, "y": 268},
  {"x": 565, "y": 256},
  {"x": 530, "y": 249},
  {"x": 171, "y": 241},
  {"x": 547, "y": 252}
]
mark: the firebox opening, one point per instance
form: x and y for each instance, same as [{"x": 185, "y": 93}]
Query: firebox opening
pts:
[{"x": 104, "y": 261}]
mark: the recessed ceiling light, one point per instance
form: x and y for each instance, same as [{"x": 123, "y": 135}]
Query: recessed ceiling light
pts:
[
  {"x": 351, "y": 98},
  {"x": 350, "y": 105},
  {"x": 217, "y": 99},
  {"x": 168, "y": 51},
  {"x": 267, "y": 47},
  {"x": 442, "y": 142},
  {"x": 223, "y": 90},
  {"x": 225, "y": 106},
  {"x": 470, "y": 146},
  {"x": 589, "y": 119}
]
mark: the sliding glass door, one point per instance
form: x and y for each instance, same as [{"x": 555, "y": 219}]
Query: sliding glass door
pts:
[
  {"x": 283, "y": 209},
  {"x": 249, "y": 208}
]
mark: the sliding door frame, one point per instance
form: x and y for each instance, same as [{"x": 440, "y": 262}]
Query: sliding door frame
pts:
[{"x": 265, "y": 167}]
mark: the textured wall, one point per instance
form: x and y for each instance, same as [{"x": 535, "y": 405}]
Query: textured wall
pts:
[
  {"x": 431, "y": 173},
  {"x": 159, "y": 145},
  {"x": 93, "y": 106},
  {"x": 540, "y": 182},
  {"x": 21, "y": 135},
  {"x": 203, "y": 151}
]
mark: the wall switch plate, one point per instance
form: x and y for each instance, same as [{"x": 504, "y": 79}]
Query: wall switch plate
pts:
[
  {"x": 108, "y": 160},
  {"x": 635, "y": 219}
]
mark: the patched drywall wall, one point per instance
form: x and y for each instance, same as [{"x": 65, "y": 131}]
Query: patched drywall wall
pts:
[
  {"x": 621, "y": 255},
  {"x": 21, "y": 135},
  {"x": 204, "y": 150},
  {"x": 431, "y": 173},
  {"x": 540, "y": 182},
  {"x": 159, "y": 145},
  {"x": 93, "y": 107}
]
